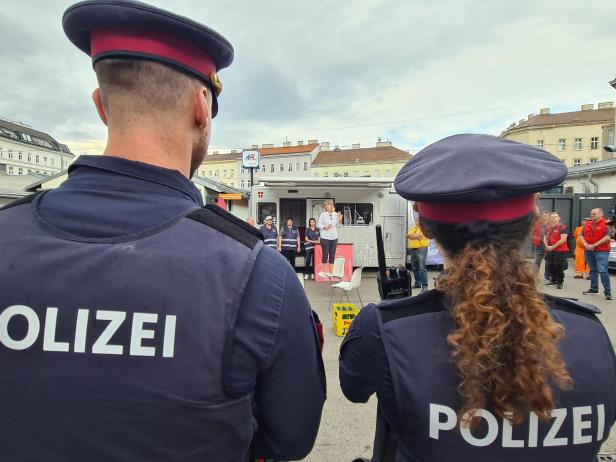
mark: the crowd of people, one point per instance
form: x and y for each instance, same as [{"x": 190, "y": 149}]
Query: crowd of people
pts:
[
  {"x": 288, "y": 242},
  {"x": 550, "y": 241}
]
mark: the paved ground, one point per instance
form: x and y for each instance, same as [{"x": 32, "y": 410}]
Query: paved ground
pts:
[{"x": 347, "y": 429}]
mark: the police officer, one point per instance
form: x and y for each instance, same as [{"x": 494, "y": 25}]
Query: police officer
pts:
[
  {"x": 135, "y": 324},
  {"x": 483, "y": 368},
  {"x": 288, "y": 241},
  {"x": 270, "y": 234}
]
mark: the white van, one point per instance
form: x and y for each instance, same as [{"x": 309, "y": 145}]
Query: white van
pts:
[{"x": 365, "y": 203}]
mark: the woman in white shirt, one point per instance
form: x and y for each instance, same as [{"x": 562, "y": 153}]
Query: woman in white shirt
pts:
[{"x": 328, "y": 225}]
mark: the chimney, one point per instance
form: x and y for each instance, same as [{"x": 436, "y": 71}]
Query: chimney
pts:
[
  {"x": 522, "y": 121},
  {"x": 588, "y": 107},
  {"x": 606, "y": 105},
  {"x": 356, "y": 146},
  {"x": 383, "y": 144},
  {"x": 530, "y": 116},
  {"x": 544, "y": 110},
  {"x": 286, "y": 144},
  {"x": 254, "y": 146},
  {"x": 313, "y": 141},
  {"x": 325, "y": 146},
  {"x": 269, "y": 145},
  {"x": 300, "y": 143}
]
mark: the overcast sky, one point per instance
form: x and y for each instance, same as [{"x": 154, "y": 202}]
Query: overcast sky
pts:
[{"x": 412, "y": 71}]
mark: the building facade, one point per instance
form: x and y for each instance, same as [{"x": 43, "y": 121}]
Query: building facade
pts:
[
  {"x": 282, "y": 161},
  {"x": 26, "y": 151},
  {"x": 577, "y": 138},
  {"x": 381, "y": 161},
  {"x": 598, "y": 177},
  {"x": 222, "y": 167}
]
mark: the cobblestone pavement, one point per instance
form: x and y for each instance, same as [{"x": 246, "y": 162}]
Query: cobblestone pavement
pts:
[{"x": 347, "y": 429}]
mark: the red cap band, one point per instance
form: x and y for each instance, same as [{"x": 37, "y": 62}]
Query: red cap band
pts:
[
  {"x": 152, "y": 43},
  {"x": 499, "y": 211}
]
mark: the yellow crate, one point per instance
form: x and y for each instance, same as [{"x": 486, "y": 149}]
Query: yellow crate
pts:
[{"x": 343, "y": 314}]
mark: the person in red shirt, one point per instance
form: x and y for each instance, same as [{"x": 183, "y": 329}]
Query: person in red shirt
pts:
[
  {"x": 596, "y": 240},
  {"x": 538, "y": 246},
  {"x": 556, "y": 250}
]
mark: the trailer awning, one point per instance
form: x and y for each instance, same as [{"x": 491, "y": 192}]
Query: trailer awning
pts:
[{"x": 341, "y": 182}]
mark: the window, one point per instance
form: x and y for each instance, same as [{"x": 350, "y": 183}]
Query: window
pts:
[
  {"x": 264, "y": 209},
  {"x": 578, "y": 144},
  {"x": 540, "y": 144},
  {"x": 377, "y": 173},
  {"x": 290, "y": 168},
  {"x": 241, "y": 183},
  {"x": 20, "y": 171},
  {"x": 10, "y": 169},
  {"x": 224, "y": 173},
  {"x": 366, "y": 173},
  {"x": 345, "y": 174},
  {"x": 36, "y": 159},
  {"x": 325, "y": 174},
  {"x": 316, "y": 174},
  {"x": 577, "y": 162},
  {"x": 19, "y": 156},
  {"x": 209, "y": 173},
  {"x": 1, "y": 153},
  {"x": 387, "y": 172},
  {"x": 594, "y": 142},
  {"x": 263, "y": 168},
  {"x": 45, "y": 160},
  {"x": 272, "y": 168},
  {"x": 29, "y": 172},
  {"x": 355, "y": 214},
  {"x": 29, "y": 158},
  {"x": 610, "y": 137},
  {"x": 336, "y": 174},
  {"x": 52, "y": 162},
  {"x": 10, "y": 154},
  {"x": 216, "y": 173},
  {"x": 561, "y": 144},
  {"x": 297, "y": 167},
  {"x": 594, "y": 159},
  {"x": 242, "y": 170},
  {"x": 248, "y": 183},
  {"x": 282, "y": 167},
  {"x": 305, "y": 166},
  {"x": 355, "y": 173}
]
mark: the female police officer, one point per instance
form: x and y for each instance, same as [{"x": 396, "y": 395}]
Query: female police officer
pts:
[{"x": 482, "y": 368}]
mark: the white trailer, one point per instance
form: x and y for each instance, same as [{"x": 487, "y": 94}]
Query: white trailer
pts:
[{"x": 365, "y": 203}]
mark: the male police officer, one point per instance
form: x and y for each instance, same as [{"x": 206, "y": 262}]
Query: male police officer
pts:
[{"x": 135, "y": 325}]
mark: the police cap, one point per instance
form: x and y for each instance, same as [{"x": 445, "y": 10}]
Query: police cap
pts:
[
  {"x": 478, "y": 177},
  {"x": 131, "y": 29}
]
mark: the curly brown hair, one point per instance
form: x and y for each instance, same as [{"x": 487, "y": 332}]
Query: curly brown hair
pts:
[{"x": 505, "y": 341}]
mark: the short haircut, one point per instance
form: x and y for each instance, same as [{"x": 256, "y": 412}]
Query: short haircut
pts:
[{"x": 146, "y": 87}]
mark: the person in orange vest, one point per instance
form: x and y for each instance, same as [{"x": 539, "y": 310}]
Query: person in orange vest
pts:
[
  {"x": 596, "y": 239},
  {"x": 581, "y": 267},
  {"x": 556, "y": 250}
]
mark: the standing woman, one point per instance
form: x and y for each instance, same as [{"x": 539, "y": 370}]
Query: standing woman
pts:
[
  {"x": 288, "y": 241},
  {"x": 483, "y": 368},
  {"x": 582, "y": 270},
  {"x": 311, "y": 236},
  {"x": 556, "y": 250},
  {"x": 328, "y": 225}
]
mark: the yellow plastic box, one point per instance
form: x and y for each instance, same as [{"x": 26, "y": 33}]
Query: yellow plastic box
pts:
[{"x": 343, "y": 314}]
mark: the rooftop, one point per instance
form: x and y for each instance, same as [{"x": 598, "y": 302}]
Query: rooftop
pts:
[
  {"x": 14, "y": 186},
  {"x": 594, "y": 167},
  {"x": 24, "y": 134},
  {"x": 222, "y": 157},
  {"x": 387, "y": 154},
  {"x": 272, "y": 151},
  {"x": 588, "y": 116}
]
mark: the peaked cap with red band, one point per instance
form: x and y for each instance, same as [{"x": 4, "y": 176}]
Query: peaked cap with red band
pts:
[
  {"x": 131, "y": 29},
  {"x": 478, "y": 177}
]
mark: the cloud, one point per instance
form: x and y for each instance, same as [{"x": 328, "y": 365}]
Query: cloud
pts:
[{"x": 343, "y": 72}]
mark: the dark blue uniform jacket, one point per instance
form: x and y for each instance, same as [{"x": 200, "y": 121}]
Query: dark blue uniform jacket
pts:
[
  {"x": 399, "y": 351},
  {"x": 135, "y": 325}
]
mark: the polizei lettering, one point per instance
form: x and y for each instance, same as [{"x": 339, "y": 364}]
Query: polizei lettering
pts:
[
  {"x": 576, "y": 425},
  {"x": 94, "y": 331}
]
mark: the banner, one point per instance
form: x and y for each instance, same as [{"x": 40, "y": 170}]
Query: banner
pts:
[{"x": 342, "y": 250}]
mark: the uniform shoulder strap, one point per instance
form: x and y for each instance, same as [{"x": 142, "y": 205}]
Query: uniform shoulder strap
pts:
[
  {"x": 572, "y": 305},
  {"x": 24, "y": 200},
  {"x": 427, "y": 302},
  {"x": 228, "y": 224}
]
